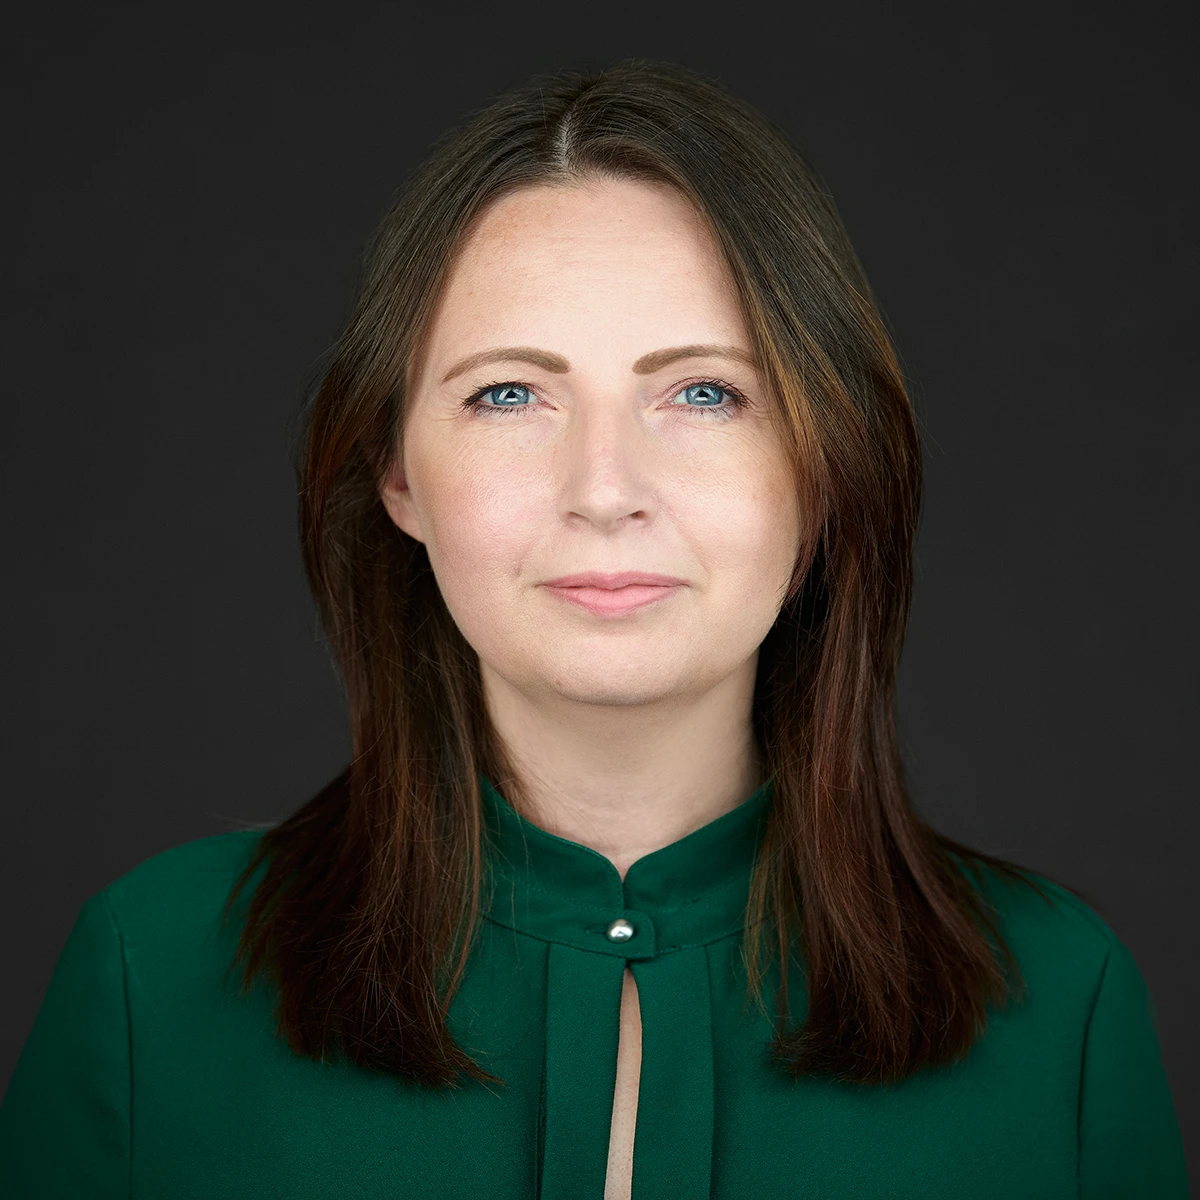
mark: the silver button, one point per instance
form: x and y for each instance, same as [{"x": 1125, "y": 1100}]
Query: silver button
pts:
[{"x": 620, "y": 931}]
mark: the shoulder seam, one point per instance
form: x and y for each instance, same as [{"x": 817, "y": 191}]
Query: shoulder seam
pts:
[
  {"x": 116, "y": 924},
  {"x": 1087, "y": 1028}
]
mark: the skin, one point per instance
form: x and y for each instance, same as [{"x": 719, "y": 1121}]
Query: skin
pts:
[{"x": 628, "y": 733}]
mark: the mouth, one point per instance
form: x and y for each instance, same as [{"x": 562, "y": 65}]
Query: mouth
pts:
[
  {"x": 614, "y": 601},
  {"x": 611, "y": 580}
]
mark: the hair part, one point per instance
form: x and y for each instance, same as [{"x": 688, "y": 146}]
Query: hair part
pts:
[{"x": 370, "y": 897}]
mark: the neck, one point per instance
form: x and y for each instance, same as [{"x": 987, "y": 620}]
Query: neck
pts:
[{"x": 627, "y": 780}]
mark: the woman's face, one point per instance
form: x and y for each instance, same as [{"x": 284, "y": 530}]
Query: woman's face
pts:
[{"x": 607, "y": 452}]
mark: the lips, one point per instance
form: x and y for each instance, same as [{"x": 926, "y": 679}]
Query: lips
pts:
[
  {"x": 610, "y": 581},
  {"x": 607, "y": 599}
]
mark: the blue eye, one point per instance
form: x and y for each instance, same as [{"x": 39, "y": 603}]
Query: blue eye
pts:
[
  {"x": 508, "y": 396},
  {"x": 708, "y": 393}
]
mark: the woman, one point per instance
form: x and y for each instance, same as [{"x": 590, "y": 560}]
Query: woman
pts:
[{"x": 608, "y": 502}]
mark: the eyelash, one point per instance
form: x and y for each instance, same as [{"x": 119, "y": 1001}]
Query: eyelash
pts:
[{"x": 736, "y": 398}]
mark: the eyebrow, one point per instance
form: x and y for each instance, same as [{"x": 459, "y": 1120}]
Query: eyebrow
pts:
[{"x": 646, "y": 365}]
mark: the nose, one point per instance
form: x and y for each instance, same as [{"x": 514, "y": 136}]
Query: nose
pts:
[{"x": 607, "y": 467}]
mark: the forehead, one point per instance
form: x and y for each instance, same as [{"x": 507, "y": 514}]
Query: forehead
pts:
[
  {"x": 580, "y": 218},
  {"x": 630, "y": 265}
]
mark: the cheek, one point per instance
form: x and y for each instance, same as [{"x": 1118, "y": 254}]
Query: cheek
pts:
[
  {"x": 481, "y": 526},
  {"x": 746, "y": 515},
  {"x": 746, "y": 531}
]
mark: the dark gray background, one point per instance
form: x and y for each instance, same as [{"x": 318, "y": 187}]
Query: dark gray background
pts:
[{"x": 192, "y": 188}]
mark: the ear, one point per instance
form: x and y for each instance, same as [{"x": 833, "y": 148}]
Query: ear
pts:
[{"x": 397, "y": 499}]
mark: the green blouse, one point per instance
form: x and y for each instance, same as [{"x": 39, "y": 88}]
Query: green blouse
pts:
[{"x": 145, "y": 1075}]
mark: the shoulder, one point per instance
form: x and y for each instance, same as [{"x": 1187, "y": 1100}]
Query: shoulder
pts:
[
  {"x": 1065, "y": 948},
  {"x": 172, "y": 903},
  {"x": 184, "y": 872},
  {"x": 152, "y": 946},
  {"x": 1088, "y": 1031}
]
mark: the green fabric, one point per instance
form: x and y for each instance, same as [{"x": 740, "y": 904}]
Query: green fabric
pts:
[{"x": 145, "y": 1075}]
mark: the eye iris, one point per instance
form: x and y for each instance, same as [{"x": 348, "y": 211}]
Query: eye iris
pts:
[
  {"x": 698, "y": 390},
  {"x": 507, "y": 392}
]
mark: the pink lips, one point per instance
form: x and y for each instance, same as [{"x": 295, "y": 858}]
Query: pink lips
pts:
[{"x": 613, "y": 594}]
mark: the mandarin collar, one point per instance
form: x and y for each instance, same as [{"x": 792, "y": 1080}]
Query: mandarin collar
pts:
[{"x": 689, "y": 893}]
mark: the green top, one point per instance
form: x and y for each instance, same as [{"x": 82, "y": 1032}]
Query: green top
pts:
[{"x": 146, "y": 1076}]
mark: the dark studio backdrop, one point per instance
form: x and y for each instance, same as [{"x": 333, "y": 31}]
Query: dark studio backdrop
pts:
[{"x": 190, "y": 189}]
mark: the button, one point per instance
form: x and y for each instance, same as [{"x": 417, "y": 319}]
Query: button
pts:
[{"x": 620, "y": 931}]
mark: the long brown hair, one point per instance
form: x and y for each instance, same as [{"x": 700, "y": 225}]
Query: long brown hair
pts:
[{"x": 371, "y": 893}]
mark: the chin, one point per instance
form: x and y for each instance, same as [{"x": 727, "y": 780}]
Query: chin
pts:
[
  {"x": 622, "y": 680},
  {"x": 614, "y": 695}
]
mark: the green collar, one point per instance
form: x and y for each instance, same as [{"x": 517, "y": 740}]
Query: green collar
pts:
[{"x": 689, "y": 893}]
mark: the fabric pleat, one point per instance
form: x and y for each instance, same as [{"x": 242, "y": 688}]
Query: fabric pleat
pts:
[
  {"x": 672, "y": 1149},
  {"x": 580, "y": 1071}
]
